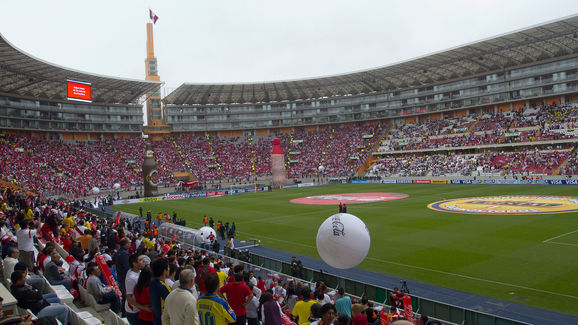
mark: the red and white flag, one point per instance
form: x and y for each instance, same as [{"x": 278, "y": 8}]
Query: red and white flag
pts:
[{"x": 154, "y": 17}]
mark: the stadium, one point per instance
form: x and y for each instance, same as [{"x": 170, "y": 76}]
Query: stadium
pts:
[{"x": 472, "y": 151}]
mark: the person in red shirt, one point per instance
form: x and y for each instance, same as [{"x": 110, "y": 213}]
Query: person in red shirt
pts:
[
  {"x": 142, "y": 296},
  {"x": 238, "y": 295},
  {"x": 202, "y": 273},
  {"x": 396, "y": 298},
  {"x": 66, "y": 242},
  {"x": 261, "y": 284},
  {"x": 238, "y": 269}
]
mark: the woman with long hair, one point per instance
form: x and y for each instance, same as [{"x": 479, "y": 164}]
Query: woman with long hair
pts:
[{"x": 141, "y": 296}]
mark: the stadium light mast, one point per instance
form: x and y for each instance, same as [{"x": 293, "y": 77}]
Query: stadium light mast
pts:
[{"x": 156, "y": 126}]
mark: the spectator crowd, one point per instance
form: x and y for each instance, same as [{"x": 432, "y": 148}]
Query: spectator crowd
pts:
[{"x": 120, "y": 270}]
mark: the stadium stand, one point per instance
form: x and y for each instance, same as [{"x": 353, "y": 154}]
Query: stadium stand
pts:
[{"x": 440, "y": 115}]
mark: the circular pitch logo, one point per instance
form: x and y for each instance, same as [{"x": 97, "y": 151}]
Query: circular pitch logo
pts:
[
  {"x": 349, "y": 198},
  {"x": 513, "y": 204}
]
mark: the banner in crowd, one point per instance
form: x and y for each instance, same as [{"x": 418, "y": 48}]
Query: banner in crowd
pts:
[{"x": 105, "y": 270}]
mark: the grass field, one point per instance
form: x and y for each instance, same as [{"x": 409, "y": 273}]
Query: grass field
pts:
[{"x": 528, "y": 259}]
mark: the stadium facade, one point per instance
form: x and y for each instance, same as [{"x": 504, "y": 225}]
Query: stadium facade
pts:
[
  {"x": 534, "y": 66},
  {"x": 34, "y": 100}
]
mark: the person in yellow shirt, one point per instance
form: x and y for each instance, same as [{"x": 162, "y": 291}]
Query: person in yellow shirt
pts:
[
  {"x": 68, "y": 222},
  {"x": 28, "y": 214},
  {"x": 302, "y": 309},
  {"x": 222, "y": 275},
  {"x": 150, "y": 244}
]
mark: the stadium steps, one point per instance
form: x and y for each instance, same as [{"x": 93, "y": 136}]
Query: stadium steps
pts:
[
  {"x": 473, "y": 126},
  {"x": 371, "y": 158},
  {"x": 250, "y": 141},
  {"x": 562, "y": 166},
  {"x": 178, "y": 149},
  {"x": 213, "y": 155}
]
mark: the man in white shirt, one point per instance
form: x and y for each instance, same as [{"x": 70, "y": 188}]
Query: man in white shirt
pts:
[
  {"x": 131, "y": 307},
  {"x": 181, "y": 304},
  {"x": 10, "y": 261},
  {"x": 26, "y": 244}
]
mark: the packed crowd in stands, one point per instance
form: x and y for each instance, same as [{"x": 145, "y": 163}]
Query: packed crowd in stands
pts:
[
  {"x": 520, "y": 163},
  {"x": 50, "y": 167},
  {"x": 55, "y": 250},
  {"x": 546, "y": 123}
]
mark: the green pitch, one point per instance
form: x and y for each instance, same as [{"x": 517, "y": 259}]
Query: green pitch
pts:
[{"x": 509, "y": 257}]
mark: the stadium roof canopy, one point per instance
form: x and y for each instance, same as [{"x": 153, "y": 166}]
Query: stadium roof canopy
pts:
[
  {"x": 24, "y": 75},
  {"x": 528, "y": 46}
]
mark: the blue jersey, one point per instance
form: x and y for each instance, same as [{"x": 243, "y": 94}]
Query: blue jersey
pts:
[
  {"x": 158, "y": 291},
  {"x": 214, "y": 310}
]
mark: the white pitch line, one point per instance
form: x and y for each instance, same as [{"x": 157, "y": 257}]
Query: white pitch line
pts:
[
  {"x": 559, "y": 243},
  {"x": 443, "y": 272},
  {"x": 474, "y": 278},
  {"x": 568, "y": 233}
]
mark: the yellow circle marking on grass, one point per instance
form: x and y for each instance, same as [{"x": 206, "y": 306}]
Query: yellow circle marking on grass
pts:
[{"x": 512, "y": 204}]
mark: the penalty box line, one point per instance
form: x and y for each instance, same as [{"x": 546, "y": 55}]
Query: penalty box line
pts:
[{"x": 550, "y": 240}]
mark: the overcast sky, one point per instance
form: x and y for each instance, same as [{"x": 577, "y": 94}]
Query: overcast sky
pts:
[{"x": 225, "y": 41}]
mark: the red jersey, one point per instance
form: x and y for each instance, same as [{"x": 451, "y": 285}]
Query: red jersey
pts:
[
  {"x": 201, "y": 274},
  {"x": 261, "y": 285},
  {"x": 237, "y": 293}
]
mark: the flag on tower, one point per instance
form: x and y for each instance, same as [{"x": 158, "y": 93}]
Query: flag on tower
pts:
[{"x": 154, "y": 17}]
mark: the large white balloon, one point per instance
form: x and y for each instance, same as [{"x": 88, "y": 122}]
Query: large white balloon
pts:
[
  {"x": 95, "y": 190},
  {"x": 116, "y": 186},
  {"x": 343, "y": 241},
  {"x": 206, "y": 235}
]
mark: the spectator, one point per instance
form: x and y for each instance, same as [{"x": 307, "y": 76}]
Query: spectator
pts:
[
  {"x": 210, "y": 306},
  {"x": 10, "y": 261},
  {"x": 302, "y": 309},
  {"x": 122, "y": 263},
  {"x": 102, "y": 294},
  {"x": 239, "y": 296},
  {"x": 358, "y": 308},
  {"x": 40, "y": 305},
  {"x": 35, "y": 281},
  {"x": 159, "y": 290},
  {"x": 252, "y": 309},
  {"x": 181, "y": 304},
  {"x": 343, "y": 304},
  {"x": 143, "y": 298},
  {"x": 328, "y": 314},
  {"x": 26, "y": 239},
  {"x": 54, "y": 272},
  {"x": 132, "y": 308},
  {"x": 204, "y": 270}
]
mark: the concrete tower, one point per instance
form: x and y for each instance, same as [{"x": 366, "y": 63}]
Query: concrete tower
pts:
[
  {"x": 156, "y": 126},
  {"x": 278, "y": 164}
]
